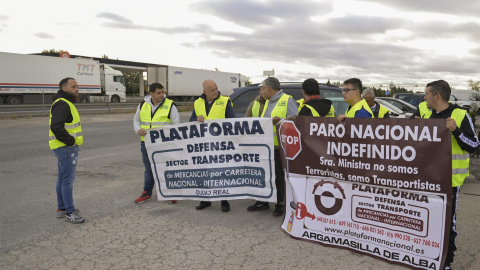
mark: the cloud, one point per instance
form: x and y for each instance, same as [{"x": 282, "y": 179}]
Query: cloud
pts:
[
  {"x": 114, "y": 17},
  {"x": 44, "y": 35},
  {"x": 363, "y": 25},
  {"x": 441, "y": 29},
  {"x": 251, "y": 13},
  {"x": 457, "y": 7},
  {"x": 348, "y": 46},
  {"x": 119, "y": 22}
]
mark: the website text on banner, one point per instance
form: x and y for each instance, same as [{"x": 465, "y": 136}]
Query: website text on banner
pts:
[
  {"x": 212, "y": 161},
  {"x": 370, "y": 186}
]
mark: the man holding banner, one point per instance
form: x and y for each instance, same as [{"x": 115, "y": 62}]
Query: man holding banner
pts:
[
  {"x": 212, "y": 105},
  {"x": 352, "y": 90},
  {"x": 313, "y": 104},
  {"x": 277, "y": 106},
  {"x": 464, "y": 141},
  {"x": 155, "y": 111}
]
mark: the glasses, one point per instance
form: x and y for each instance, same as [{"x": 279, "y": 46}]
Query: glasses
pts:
[{"x": 345, "y": 90}]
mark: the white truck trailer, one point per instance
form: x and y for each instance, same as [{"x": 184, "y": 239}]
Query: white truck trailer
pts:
[
  {"x": 34, "y": 79},
  {"x": 185, "y": 84}
]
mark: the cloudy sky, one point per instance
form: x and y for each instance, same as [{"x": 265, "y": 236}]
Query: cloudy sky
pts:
[{"x": 378, "y": 41}]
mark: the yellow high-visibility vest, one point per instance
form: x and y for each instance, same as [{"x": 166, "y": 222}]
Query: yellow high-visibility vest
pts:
[
  {"x": 330, "y": 113},
  {"x": 256, "y": 108},
  {"x": 424, "y": 111},
  {"x": 159, "y": 119},
  {"x": 279, "y": 110},
  {"x": 216, "y": 112},
  {"x": 361, "y": 104},
  {"x": 460, "y": 157},
  {"x": 74, "y": 128},
  {"x": 382, "y": 111}
]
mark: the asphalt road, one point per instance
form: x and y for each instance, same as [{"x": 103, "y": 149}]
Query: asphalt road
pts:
[{"x": 155, "y": 235}]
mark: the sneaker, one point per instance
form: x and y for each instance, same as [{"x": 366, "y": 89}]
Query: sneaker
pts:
[
  {"x": 74, "y": 217},
  {"x": 278, "y": 210},
  {"x": 62, "y": 212},
  {"x": 144, "y": 197},
  {"x": 447, "y": 267},
  {"x": 173, "y": 201},
  {"x": 258, "y": 206}
]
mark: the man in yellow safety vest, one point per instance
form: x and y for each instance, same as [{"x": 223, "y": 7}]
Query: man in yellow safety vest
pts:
[
  {"x": 312, "y": 104},
  {"x": 464, "y": 141},
  {"x": 154, "y": 111},
  {"x": 352, "y": 89},
  {"x": 278, "y": 106},
  {"x": 378, "y": 110},
  {"x": 65, "y": 135},
  {"x": 212, "y": 105}
]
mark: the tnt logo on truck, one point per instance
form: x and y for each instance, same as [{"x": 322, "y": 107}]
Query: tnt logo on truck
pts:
[
  {"x": 85, "y": 69},
  {"x": 290, "y": 139}
]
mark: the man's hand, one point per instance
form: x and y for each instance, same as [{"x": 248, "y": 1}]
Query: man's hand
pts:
[
  {"x": 451, "y": 124},
  {"x": 201, "y": 119},
  {"x": 291, "y": 117},
  {"x": 142, "y": 132},
  {"x": 341, "y": 118},
  {"x": 275, "y": 120}
]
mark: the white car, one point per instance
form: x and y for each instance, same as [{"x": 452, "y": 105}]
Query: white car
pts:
[
  {"x": 394, "y": 111},
  {"x": 464, "y": 104}
]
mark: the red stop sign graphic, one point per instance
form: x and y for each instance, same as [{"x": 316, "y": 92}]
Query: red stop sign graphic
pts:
[{"x": 289, "y": 137}]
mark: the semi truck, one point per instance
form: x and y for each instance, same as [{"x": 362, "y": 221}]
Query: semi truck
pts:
[
  {"x": 185, "y": 84},
  {"x": 34, "y": 79}
]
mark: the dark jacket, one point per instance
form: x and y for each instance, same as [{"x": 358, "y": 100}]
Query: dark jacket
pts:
[
  {"x": 61, "y": 114},
  {"x": 229, "y": 112},
  {"x": 322, "y": 106},
  {"x": 465, "y": 135}
]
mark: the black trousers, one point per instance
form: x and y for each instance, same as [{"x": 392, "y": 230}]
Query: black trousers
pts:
[
  {"x": 279, "y": 177},
  {"x": 452, "y": 247}
]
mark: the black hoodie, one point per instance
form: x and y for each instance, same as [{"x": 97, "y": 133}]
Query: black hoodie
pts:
[
  {"x": 322, "y": 106},
  {"x": 61, "y": 114},
  {"x": 465, "y": 135}
]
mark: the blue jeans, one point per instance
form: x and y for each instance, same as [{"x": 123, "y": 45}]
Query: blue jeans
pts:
[
  {"x": 67, "y": 164},
  {"x": 148, "y": 175}
]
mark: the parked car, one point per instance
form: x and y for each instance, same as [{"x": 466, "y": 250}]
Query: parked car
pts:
[
  {"x": 470, "y": 95},
  {"x": 411, "y": 98},
  {"x": 400, "y": 104},
  {"x": 394, "y": 111},
  {"x": 417, "y": 98},
  {"x": 241, "y": 97},
  {"x": 470, "y": 106}
]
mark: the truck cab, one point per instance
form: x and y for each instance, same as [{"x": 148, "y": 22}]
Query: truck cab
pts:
[{"x": 113, "y": 84}]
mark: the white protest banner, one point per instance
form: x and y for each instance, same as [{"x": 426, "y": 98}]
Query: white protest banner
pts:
[
  {"x": 375, "y": 186},
  {"x": 216, "y": 160}
]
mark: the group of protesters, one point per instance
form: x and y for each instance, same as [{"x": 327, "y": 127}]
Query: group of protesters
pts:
[{"x": 156, "y": 110}]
